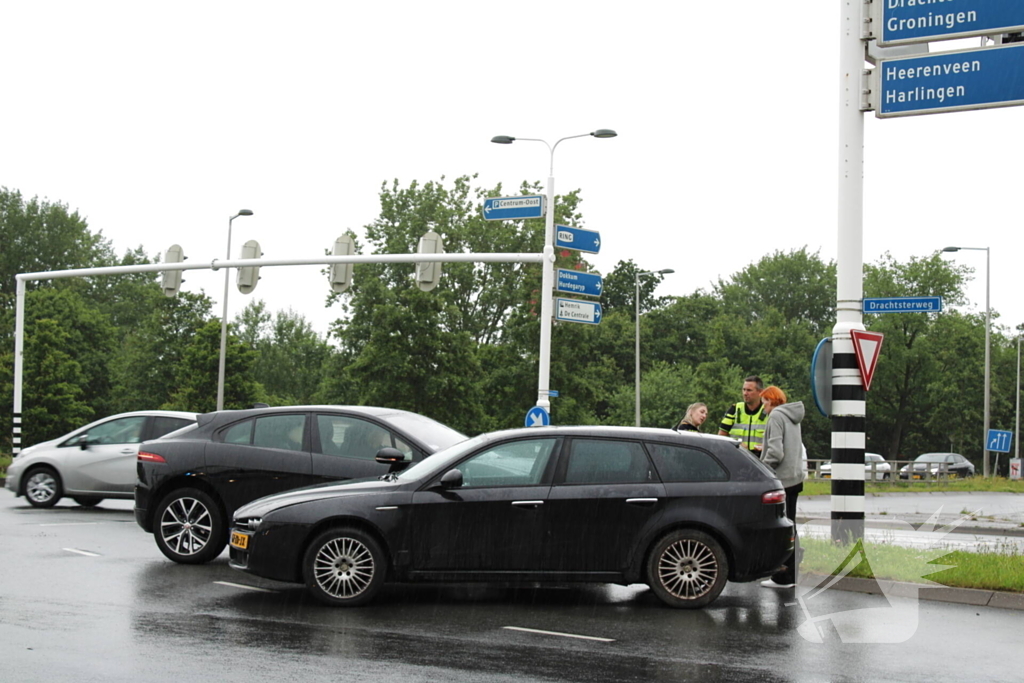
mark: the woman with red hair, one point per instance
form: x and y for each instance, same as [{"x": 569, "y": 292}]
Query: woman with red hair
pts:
[{"x": 783, "y": 452}]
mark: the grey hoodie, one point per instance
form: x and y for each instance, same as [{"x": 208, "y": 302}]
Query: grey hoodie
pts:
[{"x": 783, "y": 443}]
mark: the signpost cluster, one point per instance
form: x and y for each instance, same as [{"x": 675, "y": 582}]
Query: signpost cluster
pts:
[{"x": 566, "y": 280}]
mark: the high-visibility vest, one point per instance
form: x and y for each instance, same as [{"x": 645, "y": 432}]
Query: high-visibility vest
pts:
[{"x": 749, "y": 429}]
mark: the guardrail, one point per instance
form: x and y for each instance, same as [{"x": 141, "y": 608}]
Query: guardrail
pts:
[{"x": 873, "y": 473}]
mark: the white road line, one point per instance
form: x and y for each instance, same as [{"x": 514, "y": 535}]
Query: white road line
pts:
[
  {"x": 242, "y": 585},
  {"x": 555, "y": 633},
  {"x": 82, "y": 552}
]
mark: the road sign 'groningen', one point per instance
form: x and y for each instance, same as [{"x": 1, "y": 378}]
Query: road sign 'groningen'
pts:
[
  {"x": 578, "y": 239},
  {"x": 575, "y": 282},
  {"x": 906, "y": 304},
  {"x": 914, "y": 21},
  {"x": 574, "y": 311},
  {"x": 950, "y": 81},
  {"x": 513, "y": 208}
]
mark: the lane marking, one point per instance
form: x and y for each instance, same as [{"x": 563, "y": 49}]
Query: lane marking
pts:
[
  {"x": 242, "y": 585},
  {"x": 556, "y": 633},
  {"x": 81, "y": 552}
]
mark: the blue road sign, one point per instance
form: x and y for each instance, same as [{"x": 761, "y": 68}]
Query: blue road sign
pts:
[
  {"x": 553, "y": 393},
  {"x": 578, "y": 239},
  {"x": 575, "y": 282},
  {"x": 912, "y": 21},
  {"x": 951, "y": 81},
  {"x": 574, "y": 311},
  {"x": 537, "y": 416},
  {"x": 998, "y": 441},
  {"x": 905, "y": 304},
  {"x": 513, "y": 208}
]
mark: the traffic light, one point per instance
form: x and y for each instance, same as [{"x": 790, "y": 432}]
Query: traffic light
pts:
[
  {"x": 248, "y": 276},
  {"x": 429, "y": 274},
  {"x": 171, "y": 279},
  {"x": 341, "y": 273}
]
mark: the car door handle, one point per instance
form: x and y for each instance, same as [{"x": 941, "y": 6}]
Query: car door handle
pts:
[
  {"x": 527, "y": 503},
  {"x": 128, "y": 451},
  {"x": 646, "y": 502}
]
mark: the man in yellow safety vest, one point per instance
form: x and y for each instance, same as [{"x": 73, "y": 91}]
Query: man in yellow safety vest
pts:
[{"x": 746, "y": 420}]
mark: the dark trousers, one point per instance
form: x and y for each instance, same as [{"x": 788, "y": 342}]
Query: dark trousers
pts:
[{"x": 787, "y": 573}]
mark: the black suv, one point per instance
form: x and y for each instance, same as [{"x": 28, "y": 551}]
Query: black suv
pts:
[{"x": 190, "y": 483}]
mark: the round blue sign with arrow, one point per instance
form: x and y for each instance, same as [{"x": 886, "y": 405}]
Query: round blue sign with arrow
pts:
[{"x": 538, "y": 416}]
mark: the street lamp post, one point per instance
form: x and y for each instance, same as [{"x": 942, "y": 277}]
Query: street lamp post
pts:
[
  {"x": 988, "y": 359},
  {"x": 547, "y": 267},
  {"x": 636, "y": 281},
  {"x": 224, "y": 318},
  {"x": 1016, "y": 421}
]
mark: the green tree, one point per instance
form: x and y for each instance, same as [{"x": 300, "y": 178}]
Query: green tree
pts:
[{"x": 196, "y": 374}]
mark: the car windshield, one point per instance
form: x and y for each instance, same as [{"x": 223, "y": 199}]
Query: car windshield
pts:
[
  {"x": 432, "y": 433},
  {"x": 932, "y": 457},
  {"x": 177, "y": 433},
  {"x": 440, "y": 461}
]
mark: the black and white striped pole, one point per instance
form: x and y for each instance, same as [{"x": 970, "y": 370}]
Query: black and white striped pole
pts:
[{"x": 848, "y": 405}]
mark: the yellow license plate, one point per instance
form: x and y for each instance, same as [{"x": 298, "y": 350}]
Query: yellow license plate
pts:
[
  {"x": 917, "y": 476},
  {"x": 240, "y": 541},
  {"x": 826, "y": 476}
]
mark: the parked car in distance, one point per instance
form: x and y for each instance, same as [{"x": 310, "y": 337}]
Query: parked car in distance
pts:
[
  {"x": 680, "y": 512},
  {"x": 875, "y": 467},
  {"x": 188, "y": 486},
  {"x": 930, "y": 464},
  {"x": 89, "y": 464}
]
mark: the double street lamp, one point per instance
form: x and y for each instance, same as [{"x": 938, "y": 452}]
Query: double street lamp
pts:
[
  {"x": 988, "y": 334},
  {"x": 547, "y": 267},
  {"x": 636, "y": 282},
  {"x": 224, "y": 318}
]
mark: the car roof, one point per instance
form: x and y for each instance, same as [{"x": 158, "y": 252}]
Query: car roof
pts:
[
  {"x": 375, "y": 411},
  {"x": 648, "y": 433}
]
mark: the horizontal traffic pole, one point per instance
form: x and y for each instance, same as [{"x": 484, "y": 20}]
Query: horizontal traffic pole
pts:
[{"x": 217, "y": 264}]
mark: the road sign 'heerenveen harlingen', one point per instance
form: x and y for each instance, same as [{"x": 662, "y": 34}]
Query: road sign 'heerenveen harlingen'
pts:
[
  {"x": 950, "y": 81},
  {"x": 920, "y": 21}
]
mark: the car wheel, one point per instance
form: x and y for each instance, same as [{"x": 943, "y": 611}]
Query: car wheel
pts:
[
  {"x": 885, "y": 476},
  {"x": 190, "y": 528},
  {"x": 344, "y": 567},
  {"x": 43, "y": 488},
  {"x": 88, "y": 501},
  {"x": 687, "y": 569}
]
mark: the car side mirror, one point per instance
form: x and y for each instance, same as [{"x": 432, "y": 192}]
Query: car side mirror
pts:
[
  {"x": 393, "y": 457},
  {"x": 452, "y": 479},
  {"x": 83, "y": 442}
]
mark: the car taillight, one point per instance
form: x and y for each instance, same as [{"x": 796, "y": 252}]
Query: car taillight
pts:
[
  {"x": 145, "y": 456},
  {"x": 774, "y": 497}
]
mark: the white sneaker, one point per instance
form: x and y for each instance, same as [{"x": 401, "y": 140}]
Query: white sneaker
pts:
[{"x": 771, "y": 584}]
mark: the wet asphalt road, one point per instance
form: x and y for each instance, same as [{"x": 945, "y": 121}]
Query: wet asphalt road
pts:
[{"x": 88, "y": 597}]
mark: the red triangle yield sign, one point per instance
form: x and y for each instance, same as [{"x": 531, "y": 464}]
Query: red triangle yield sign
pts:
[{"x": 867, "y": 346}]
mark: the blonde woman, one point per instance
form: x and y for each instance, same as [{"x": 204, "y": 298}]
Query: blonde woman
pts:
[{"x": 695, "y": 415}]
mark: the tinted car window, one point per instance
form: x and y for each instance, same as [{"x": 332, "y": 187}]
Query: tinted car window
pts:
[
  {"x": 517, "y": 463},
  {"x": 350, "y": 437},
  {"x": 679, "y": 463},
  {"x": 279, "y": 431},
  {"x": 165, "y": 425},
  {"x": 593, "y": 461},
  {"x": 125, "y": 430},
  {"x": 239, "y": 433}
]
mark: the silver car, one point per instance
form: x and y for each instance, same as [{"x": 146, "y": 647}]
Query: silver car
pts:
[
  {"x": 873, "y": 463},
  {"x": 94, "y": 462}
]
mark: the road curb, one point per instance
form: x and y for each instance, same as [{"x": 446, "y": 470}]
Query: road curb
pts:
[{"x": 963, "y": 596}]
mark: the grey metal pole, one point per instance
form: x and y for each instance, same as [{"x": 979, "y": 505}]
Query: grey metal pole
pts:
[
  {"x": 988, "y": 356},
  {"x": 224, "y": 318},
  {"x": 636, "y": 303},
  {"x": 1016, "y": 431}
]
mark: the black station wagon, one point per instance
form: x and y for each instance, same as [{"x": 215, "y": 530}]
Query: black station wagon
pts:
[{"x": 680, "y": 512}]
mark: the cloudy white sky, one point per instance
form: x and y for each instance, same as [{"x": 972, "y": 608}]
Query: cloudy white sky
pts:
[{"x": 158, "y": 121}]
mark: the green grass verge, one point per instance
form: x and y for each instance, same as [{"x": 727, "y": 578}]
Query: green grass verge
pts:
[
  {"x": 986, "y": 571},
  {"x": 5, "y": 460},
  {"x": 813, "y": 487}
]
